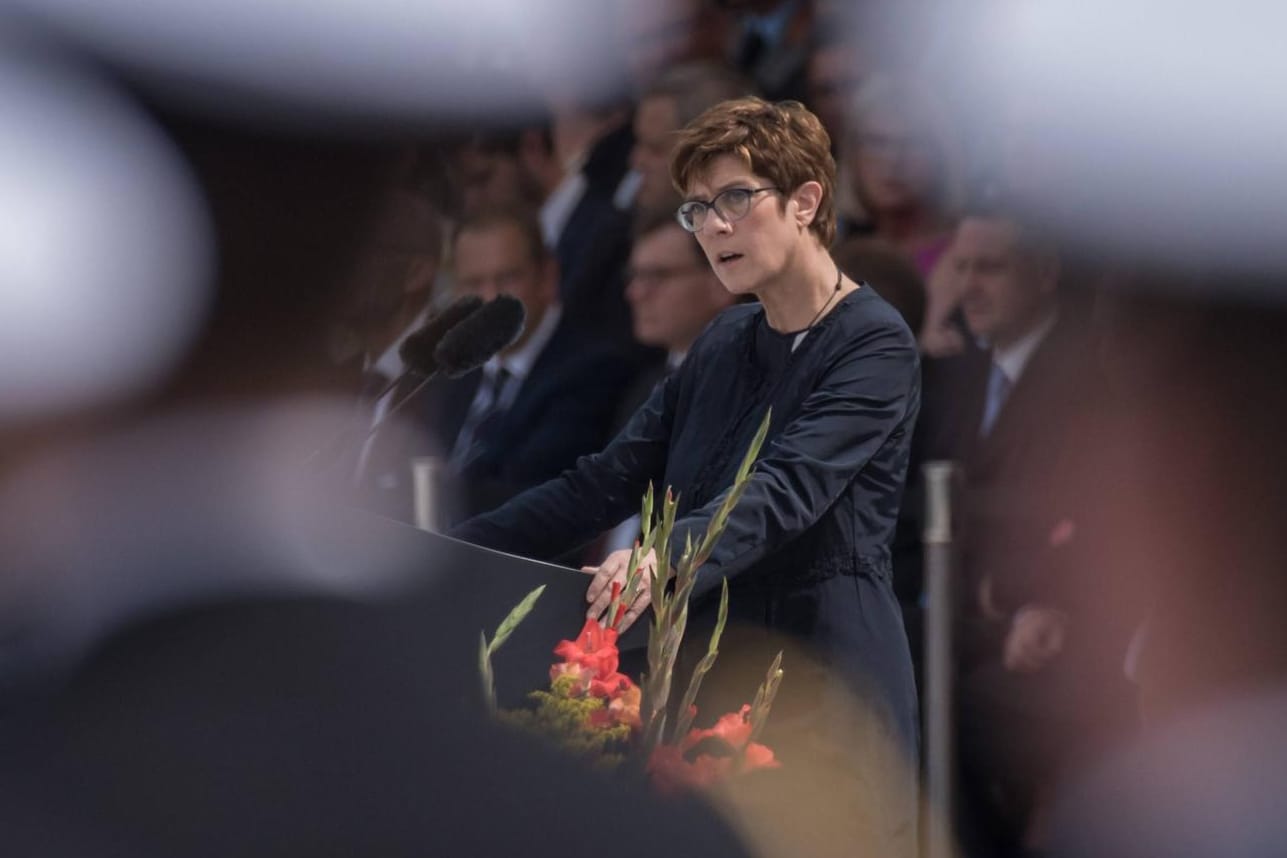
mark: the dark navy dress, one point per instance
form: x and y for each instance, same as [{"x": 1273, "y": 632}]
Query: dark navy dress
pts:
[{"x": 806, "y": 551}]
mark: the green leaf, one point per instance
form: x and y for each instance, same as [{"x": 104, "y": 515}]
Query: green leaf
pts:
[
  {"x": 645, "y": 517},
  {"x": 703, "y": 667},
  {"x": 516, "y": 616},
  {"x": 765, "y": 696},
  {"x": 753, "y": 452},
  {"x": 485, "y": 672},
  {"x": 636, "y": 573}
]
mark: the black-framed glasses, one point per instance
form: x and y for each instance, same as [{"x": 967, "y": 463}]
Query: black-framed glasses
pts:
[{"x": 731, "y": 204}]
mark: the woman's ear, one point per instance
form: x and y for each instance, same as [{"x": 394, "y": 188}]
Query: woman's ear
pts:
[{"x": 807, "y": 199}]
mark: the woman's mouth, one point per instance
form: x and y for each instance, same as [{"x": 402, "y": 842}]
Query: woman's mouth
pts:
[{"x": 727, "y": 257}]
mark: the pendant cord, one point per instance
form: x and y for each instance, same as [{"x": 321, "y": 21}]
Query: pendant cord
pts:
[{"x": 834, "y": 293}]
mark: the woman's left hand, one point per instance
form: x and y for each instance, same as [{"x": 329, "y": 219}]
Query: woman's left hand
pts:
[{"x": 616, "y": 567}]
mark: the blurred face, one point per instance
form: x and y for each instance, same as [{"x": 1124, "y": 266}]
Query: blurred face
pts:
[
  {"x": 751, "y": 248},
  {"x": 893, "y": 163},
  {"x": 490, "y": 179},
  {"x": 655, "y": 127},
  {"x": 1005, "y": 292},
  {"x": 495, "y": 260},
  {"x": 657, "y": 34},
  {"x": 673, "y": 294},
  {"x": 833, "y": 77}
]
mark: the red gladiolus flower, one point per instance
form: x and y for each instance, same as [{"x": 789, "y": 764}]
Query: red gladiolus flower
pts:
[
  {"x": 672, "y": 772},
  {"x": 706, "y": 756},
  {"x": 757, "y": 756},
  {"x": 595, "y": 648},
  {"x": 734, "y": 728},
  {"x": 610, "y": 686},
  {"x": 623, "y": 709}
]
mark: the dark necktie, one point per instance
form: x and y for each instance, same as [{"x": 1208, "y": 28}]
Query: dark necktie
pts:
[
  {"x": 486, "y": 412},
  {"x": 998, "y": 391}
]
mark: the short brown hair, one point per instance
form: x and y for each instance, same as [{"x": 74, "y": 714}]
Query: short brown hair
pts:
[
  {"x": 524, "y": 221},
  {"x": 782, "y": 141},
  {"x": 697, "y": 86}
]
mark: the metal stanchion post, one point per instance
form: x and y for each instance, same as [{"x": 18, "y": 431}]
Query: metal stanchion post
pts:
[
  {"x": 427, "y": 485},
  {"x": 940, "y": 478}
]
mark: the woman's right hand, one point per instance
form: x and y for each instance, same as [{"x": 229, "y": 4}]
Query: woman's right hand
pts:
[{"x": 616, "y": 568}]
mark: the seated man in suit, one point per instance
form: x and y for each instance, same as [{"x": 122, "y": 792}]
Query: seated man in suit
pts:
[
  {"x": 673, "y": 295},
  {"x": 533, "y": 164},
  {"x": 1039, "y": 683},
  {"x": 530, "y": 411}
]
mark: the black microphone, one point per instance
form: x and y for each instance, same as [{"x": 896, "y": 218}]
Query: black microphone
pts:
[
  {"x": 469, "y": 344},
  {"x": 474, "y": 341},
  {"x": 417, "y": 351}
]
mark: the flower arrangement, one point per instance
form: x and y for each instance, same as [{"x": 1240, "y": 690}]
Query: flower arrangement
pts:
[{"x": 594, "y": 710}]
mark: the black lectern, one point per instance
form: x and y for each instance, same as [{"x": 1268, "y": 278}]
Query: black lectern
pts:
[{"x": 466, "y": 590}]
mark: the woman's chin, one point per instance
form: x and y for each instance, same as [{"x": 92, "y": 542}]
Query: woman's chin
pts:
[{"x": 737, "y": 285}]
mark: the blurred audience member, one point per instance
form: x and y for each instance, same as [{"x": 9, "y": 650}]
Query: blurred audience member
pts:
[
  {"x": 836, "y": 69},
  {"x": 901, "y": 162},
  {"x": 529, "y": 412},
  {"x": 673, "y": 294},
  {"x": 769, "y": 43},
  {"x": 661, "y": 34},
  {"x": 199, "y": 656},
  {"x": 676, "y": 97},
  {"x": 547, "y": 166},
  {"x": 392, "y": 284},
  {"x": 903, "y": 167},
  {"x": 502, "y": 168},
  {"x": 1041, "y": 679}
]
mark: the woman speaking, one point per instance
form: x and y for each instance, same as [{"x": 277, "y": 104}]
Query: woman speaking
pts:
[{"x": 806, "y": 550}]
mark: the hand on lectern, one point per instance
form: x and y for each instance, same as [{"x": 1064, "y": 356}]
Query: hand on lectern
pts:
[{"x": 616, "y": 568}]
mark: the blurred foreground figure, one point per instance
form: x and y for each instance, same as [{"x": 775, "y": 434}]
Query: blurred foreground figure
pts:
[
  {"x": 1199, "y": 504},
  {"x": 1174, "y": 182},
  {"x": 1043, "y": 625},
  {"x": 198, "y": 658}
]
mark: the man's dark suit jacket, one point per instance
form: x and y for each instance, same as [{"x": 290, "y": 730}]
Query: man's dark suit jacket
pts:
[
  {"x": 592, "y": 252},
  {"x": 1015, "y": 477},
  {"x": 1034, "y": 518},
  {"x": 563, "y": 410}
]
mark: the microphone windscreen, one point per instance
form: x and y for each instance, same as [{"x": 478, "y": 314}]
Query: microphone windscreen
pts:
[
  {"x": 471, "y": 343},
  {"x": 417, "y": 350}
]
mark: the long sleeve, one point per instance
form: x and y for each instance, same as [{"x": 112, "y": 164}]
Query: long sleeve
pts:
[
  {"x": 870, "y": 393},
  {"x": 599, "y": 492}
]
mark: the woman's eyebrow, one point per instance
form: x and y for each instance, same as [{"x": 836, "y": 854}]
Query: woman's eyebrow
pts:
[{"x": 735, "y": 183}]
